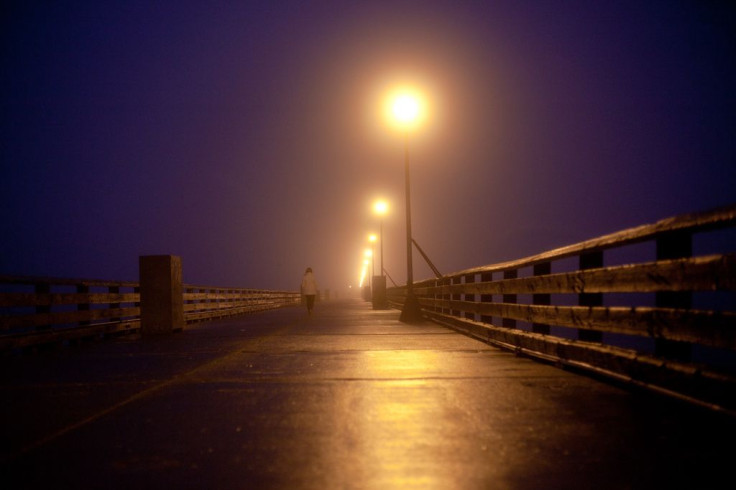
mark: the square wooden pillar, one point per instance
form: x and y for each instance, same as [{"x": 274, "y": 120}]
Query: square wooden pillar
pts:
[{"x": 162, "y": 308}]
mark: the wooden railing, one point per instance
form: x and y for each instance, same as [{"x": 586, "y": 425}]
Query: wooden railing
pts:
[
  {"x": 203, "y": 303},
  {"x": 653, "y": 306},
  {"x": 42, "y": 311}
]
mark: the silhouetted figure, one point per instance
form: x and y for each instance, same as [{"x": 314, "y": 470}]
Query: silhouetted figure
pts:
[{"x": 309, "y": 288}]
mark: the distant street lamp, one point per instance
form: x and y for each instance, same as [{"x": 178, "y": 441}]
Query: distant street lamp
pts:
[
  {"x": 380, "y": 300},
  {"x": 380, "y": 208},
  {"x": 372, "y": 238},
  {"x": 406, "y": 111},
  {"x": 369, "y": 254}
]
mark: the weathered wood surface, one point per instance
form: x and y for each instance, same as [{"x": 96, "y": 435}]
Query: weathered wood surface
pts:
[
  {"x": 709, "y": 273},
  {"x": 47, "y": 312},
  {"x": 709, "y": 328},
  {"x": 724, "y": 217},
  {"x": 647, "y": 333}
]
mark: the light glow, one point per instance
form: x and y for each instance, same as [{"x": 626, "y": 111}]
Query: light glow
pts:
[
  {"x": 405, "y": 108},
  {"x": 380, "y": 207}
]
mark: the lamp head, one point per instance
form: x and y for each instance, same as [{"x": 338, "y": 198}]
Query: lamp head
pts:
[
  {"x": 406, "y": 108},
  {"x": 380, "y": 207}
]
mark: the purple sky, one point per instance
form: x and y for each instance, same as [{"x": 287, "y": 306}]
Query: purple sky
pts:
[{"x": 246, "y": 137}]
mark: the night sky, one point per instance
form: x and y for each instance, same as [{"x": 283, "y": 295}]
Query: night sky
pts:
[{"x": 247, "y": 137}]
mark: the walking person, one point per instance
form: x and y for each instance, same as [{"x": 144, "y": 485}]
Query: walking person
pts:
[{"x": 309, "y": 288}]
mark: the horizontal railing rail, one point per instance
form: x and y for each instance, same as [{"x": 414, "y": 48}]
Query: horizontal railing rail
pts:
[
  {"x": 42, "y": 311},
  {"x": 665, "y": 322},
  {"x": 206, "y": 303}
]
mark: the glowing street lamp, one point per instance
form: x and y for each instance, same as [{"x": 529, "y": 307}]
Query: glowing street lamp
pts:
[
  {"x": 369, "y": 260},
  {"x": 380, "y": 301},
  {"x": 372, "y": 238},
  {"x": 380, "y": 207},
  {"x": 406, "y": 110}
]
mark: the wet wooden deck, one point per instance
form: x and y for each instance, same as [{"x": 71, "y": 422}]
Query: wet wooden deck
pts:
[{"x": 346, "y": 398}]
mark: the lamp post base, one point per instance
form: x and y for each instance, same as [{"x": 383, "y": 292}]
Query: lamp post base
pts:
[
  {"x": 412, "y": 311},
  {"x": 380, "y": 301}
]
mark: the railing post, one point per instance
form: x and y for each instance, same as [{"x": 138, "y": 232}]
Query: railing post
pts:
[
  {"x": 541, "y": 269},
  {"x": 470, "y": 279},
  {"x": 590, "y": 260},
  {"x": 674, "y": 245},
  {"x": 509, "y": 298},
  {"x": 486, "y": 298},
  {"x": 83, "y": 289},
  {"x": 42, "y": 288},
  {"x": 456, "y": 297},
  {"x": 114, "y": 306},
  {"x": 445, "y": 297},
  {"x": 162, "y": 308}
]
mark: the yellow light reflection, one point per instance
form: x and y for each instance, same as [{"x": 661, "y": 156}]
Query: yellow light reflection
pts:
[{"x": 399, "y": 416}]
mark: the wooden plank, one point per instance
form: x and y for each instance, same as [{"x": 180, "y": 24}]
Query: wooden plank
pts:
[
  {"x": 201, "y": 296},
  {"x": 695, "y": 222},
  {"x": 57, "y": 281},
  {"x": 699, "y": 382},
  {"x": 11, "y": 300},
  {"x": 216, "y": 308},
  {"x": 709, "y": 273},
  {"x": 67, "y": 333},
  {"x": 715, "y": 329},
  {"x": 65, "y": 317}
]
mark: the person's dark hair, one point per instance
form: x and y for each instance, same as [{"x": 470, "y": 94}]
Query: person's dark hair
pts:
[{"x": 309, "y": 269}]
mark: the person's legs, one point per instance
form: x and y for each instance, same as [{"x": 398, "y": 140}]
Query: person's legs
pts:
[{"x": 310, "y": 302}]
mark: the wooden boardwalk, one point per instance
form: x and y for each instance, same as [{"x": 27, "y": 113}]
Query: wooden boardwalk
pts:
[{"x": 348, "y": 398}]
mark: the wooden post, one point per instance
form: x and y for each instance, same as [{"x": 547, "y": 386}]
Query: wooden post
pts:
[
  {"x": 83, "y": 289},
  {"x": 162, "y": 309},
  {"x": 456, "y": 297},
  {"x": 509, "y": 298},
  {"x": 469, "y": 279},
  {"x": 114, "y": 290},
  {"x": 446, "y": 297},
  {"x": 674, "y": 245},
  {"x": 590, "y": 260},
  {"x": 43, "y": 288},
  {"x": 486, "y": 298},
  {"x": 542, "y": 269}
]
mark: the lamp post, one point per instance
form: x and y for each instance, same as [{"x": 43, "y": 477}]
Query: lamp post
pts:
[{"x": 406, "y": 111}]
